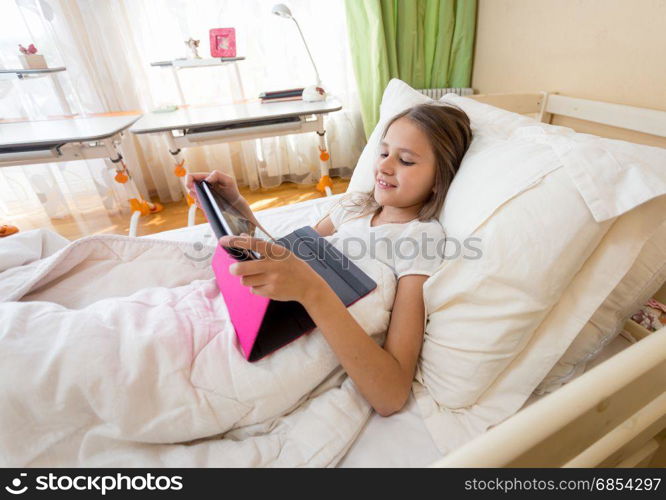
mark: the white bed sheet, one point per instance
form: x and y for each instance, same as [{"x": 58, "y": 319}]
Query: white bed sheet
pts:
[{"x": 400, "y": 440}]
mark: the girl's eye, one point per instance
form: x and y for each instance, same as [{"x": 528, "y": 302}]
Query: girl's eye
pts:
[{"x": 384, "y": 155}]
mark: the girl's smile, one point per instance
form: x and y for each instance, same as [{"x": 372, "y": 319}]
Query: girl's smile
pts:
[{"x": 382, "y": 184}]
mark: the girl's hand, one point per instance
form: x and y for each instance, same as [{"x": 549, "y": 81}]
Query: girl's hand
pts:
[
  {"x": 279, "y": 275},
  {"x": 227, "y": 187},
  {"x": 221, "y": 182}
]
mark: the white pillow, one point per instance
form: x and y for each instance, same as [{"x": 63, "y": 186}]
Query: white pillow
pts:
[
  {"x": 594, "y": 164},
  {"x": 483, "y": 312},
  {"x": 453, "y": 426},
  {"x": 399, "y": 96},
  {"x": 498, "y": 325},
  {"x": 646, "y": 276}
]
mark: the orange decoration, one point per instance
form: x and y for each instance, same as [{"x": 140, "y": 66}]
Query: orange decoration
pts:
[
  {"x": 323, "y": 154},
  {"x": 139, "y": 206},
  {"x": 145, "y": 207},
  {"x": 7, "y": 230},
  {"x": 155, "y": 207},
  {"x": 121, "y": 177},
  {"x": 323, "y": 183},
  {"x": 190, "y": 200},
  {"x": 180, "y": 169}
]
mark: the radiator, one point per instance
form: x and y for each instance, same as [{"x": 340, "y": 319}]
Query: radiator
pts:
[{"x": 437, "y": 93}]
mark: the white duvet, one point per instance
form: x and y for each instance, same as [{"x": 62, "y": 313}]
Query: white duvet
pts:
[{"x": 118, "y": 351}]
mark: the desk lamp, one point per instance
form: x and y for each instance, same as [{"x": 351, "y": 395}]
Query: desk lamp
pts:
[{"x": 311, "y": 93}]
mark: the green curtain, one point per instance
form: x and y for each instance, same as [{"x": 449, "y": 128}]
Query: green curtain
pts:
[{"x": 425, "y": 43}]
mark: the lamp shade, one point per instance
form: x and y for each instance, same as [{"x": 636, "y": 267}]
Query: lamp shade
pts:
[{"x": 281, "y": 10}]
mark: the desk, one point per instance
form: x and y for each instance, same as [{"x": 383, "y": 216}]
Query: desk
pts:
[
  {"x": 237, "y": 122},
  {"x": 47, "y": 141}
]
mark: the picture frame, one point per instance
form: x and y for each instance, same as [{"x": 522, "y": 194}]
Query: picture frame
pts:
[{"x": 223, "y": 42}]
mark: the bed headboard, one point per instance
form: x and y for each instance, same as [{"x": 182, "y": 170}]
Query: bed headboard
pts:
[{"x": 616, "y": 121}]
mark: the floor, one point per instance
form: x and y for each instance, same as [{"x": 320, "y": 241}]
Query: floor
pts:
[{"x": 174, "y": 214}]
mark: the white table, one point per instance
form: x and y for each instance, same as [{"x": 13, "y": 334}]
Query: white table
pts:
[
  {"x": 47, "y": 141},
  {"x": 200, "y": 126},
  {"x": 23, "y": 74}
]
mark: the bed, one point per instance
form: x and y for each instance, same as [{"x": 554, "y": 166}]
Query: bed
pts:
[
  {"x": 593, "y": 415},
  {"x": 614, "y": 414},
  {"x": 402, "y": 439}
]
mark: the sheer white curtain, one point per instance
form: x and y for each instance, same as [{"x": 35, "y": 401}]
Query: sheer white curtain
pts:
[
  {"x": 32, "y": 195},
  {"x": 107, "y": 47}
]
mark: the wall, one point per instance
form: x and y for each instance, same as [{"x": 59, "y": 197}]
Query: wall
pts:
[{"x": 607, "y": 50}]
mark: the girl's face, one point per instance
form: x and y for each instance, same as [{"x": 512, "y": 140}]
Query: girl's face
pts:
[{"x": 405, "y": 169}]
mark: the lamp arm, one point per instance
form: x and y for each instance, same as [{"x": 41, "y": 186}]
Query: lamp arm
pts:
[{"x": 306, "y": 48}]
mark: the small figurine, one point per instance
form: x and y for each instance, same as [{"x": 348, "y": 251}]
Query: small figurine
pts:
[
  {"x": 193, "y": 45},
  {"x": 30, "y": 50},
  {"x": 30, "y": 59}
]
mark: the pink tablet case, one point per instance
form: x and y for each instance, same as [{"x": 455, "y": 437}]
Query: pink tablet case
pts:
[
  {"x": 262, "y": 325},
  {"x": 246, "y": 309}
]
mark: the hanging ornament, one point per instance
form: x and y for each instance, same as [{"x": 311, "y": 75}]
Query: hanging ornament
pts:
[
  {"x": 323, "y": 154},
  {"x": 180, "y": 169},
  {"x": 122, "y": 175}
]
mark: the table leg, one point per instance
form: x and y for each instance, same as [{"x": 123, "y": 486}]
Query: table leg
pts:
[
  {"x": 181, "y": 95},
  {"x": 138, "y": 205},
  {"x": 181, "y": 172},
  {"x": 325, "y": 183},
  {"x": 60, "y": 94},
  {"x": 239, "y": 82}
]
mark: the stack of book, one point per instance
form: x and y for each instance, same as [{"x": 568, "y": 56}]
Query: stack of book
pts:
[{"x": 282, "y": 95}]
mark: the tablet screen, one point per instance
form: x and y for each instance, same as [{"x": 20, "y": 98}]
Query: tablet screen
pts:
[{"x": 231, "y": 220}]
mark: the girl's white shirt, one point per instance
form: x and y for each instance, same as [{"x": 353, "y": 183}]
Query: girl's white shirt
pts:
[{"x": 412, "y": 247}]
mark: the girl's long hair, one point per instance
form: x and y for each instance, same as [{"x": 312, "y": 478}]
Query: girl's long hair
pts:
[{"x": 448, "y": 130}]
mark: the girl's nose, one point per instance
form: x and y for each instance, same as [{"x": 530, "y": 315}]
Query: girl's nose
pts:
[{"x": 386, "y": 166}]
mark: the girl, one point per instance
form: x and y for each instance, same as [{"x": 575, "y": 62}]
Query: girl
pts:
[{"x": 420, "y": 152}]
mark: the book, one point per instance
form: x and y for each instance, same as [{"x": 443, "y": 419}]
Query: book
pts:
[
  {"x": 281, "y": 99},
  {"x": 281, "y": 93}
]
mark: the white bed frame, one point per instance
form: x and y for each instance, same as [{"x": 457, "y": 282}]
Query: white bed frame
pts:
[{"x": 613, "y": 415}]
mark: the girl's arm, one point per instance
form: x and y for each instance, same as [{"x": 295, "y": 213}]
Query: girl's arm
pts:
[
  {"x": 325, "y": 227},
  {"x": 383, "y": 375}
]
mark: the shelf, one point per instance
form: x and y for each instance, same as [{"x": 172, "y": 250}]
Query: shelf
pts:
[
  {"x": 196, "y": 63},
  {"x": 10, "y": 74}
]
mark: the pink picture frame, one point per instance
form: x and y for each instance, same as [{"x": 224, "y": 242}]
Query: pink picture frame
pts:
[{"x": 223, "y": 42}]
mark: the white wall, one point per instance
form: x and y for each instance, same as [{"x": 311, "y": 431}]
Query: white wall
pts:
[{"x": 608, "y": 50}]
